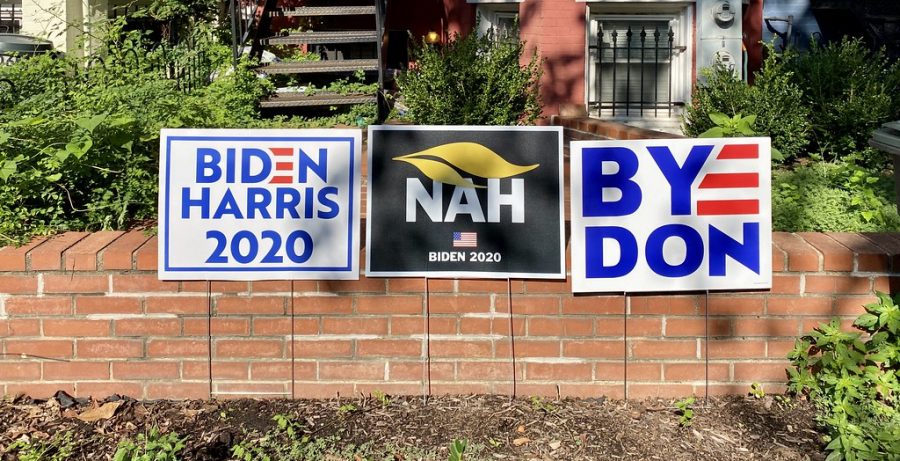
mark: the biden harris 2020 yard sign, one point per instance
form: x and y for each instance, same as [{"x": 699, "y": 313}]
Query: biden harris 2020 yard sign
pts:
[
  {"x": 670, "y": 215},
  {"x": 259, "y": 204},
  {"x": 455, "y": 201}
]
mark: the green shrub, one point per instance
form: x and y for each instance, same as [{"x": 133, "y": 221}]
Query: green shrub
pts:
[
  {"x": 831, "y": 197},
  {"x": 79, "y": 143},
  {"x": 473, "y": 80},
  {"x": 851, "y": 378},
  {"x": 774, "y": 99},
  {"x": 850, "y": 91}
]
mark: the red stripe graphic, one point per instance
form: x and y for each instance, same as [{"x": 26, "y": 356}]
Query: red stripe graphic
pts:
[
  {"x": 738, "y": 151},
  {"x": 284, "y": 166},
  {"x": 727, "y": 207},
  {"x": 728, "y": 180},
  {"x": 282, "y": 151},
  {"x": 281, "y": 180}
]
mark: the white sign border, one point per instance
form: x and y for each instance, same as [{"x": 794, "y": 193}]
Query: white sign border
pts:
[
  {"x": 582, "y": 285},
  {"x": 349, "y": 272},
  {"x": 560, "y": 275}
]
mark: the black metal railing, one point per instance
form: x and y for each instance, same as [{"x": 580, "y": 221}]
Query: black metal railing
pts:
[
  {"x": 243, "y": 14},
  {"x": 10, "y": 18},
  {"x": 633, "y": 73},
  {"x": 188, "y": 67}
]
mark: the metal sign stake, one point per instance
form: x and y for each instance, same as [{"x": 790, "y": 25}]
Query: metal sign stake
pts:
[{"x": 512, "y": 334}]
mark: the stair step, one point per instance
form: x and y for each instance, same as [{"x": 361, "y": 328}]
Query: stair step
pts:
[
  {"x": 325, "y": 11},
  {"x": 313, "y": 67},
  {"x": 318, "y": 99},
  {"x": 349, "y": 36}
]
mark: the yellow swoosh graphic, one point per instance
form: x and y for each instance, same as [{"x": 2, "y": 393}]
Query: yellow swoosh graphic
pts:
[
  {"x": 438, "y": 171},
  {"x": 470, "y": 157}
]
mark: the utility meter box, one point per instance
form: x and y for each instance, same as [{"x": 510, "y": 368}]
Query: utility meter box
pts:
[{"x": 720, "y": 32}]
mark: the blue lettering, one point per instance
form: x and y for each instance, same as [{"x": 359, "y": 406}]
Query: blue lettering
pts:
[
  {"x": 246, "y": 176},
  {"x": 230, "y": 156},
  {"x": 680, "y": 178},
  {"x": 252, "y": 247},
  {"x": 331, "y": 205},
  {"x": 746, "y": 253},
  {"x": 228, "y": 205},
  {"x": 594, "y": 181},
  {"x": 320, "y": 168},
  {"x": 258, "y": 200},
  {"x": 286, "y": 202},
  {"x": 594, "y": 237},
  {"x": 187, "y": 202},
  {"x": 291, "y": 246},
  {"x": 208, "y": 169},
  {"x": 693, "y": 257},
  {"x": 308, "y": 208}
]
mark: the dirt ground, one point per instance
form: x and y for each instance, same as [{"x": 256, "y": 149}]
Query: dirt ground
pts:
[{"x": 724, "y": 428}]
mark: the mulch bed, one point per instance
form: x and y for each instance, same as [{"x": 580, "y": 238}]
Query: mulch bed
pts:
[{"x": 723, "y": 428}]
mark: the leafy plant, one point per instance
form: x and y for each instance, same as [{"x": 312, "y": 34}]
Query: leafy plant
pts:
[
  {"x": 684, "y": 408},
  {"x": 381, "y": 397},
  {"x": 347, "y": 409},
  {"x": 538, "y": 404},
  {"x": 59, "y": 447},
  {"x": 458, "y": 450},
  {"x": 726, "y": 127},
  {"x": 150, "y": 447},
  {"x": 736, "y": 126},
  {"x": 851, "y": 377},
  {"x": 288, "y": 425},
  {"x": 757, "y": 391},
  {"x": 472, "y": 80}
]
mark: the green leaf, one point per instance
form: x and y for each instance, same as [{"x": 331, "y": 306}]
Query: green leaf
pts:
[
  {"x": 750, "y": 120},
  {"x": 4, "y": 136},
  {"x": 120, "y": 120},
  {"x": 714, "y": 132},
  {"x": 90, "y": 123},
  {"x": 9, "y": 167},
  {"x": 718, "y": 118},
  {"x": 54, "y": 177},
  {"x": 79, "y": 148},
  {"x": 30, "y": 121},
  {"x": 866, "y": 320},
  {"x": 777, "y": 155}
]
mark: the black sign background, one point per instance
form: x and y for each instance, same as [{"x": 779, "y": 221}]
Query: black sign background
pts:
[{"x": 533, "y": 248}]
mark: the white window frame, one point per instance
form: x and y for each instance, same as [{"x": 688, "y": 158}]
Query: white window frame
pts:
[
  {"x": 11, "y": 13},
  {"x": 680, "y": 17},
  {"x": 490, "y": 12}
]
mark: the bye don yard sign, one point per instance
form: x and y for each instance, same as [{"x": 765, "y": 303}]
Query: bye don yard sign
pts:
[
  {"x": 458, "y": 201},
  {"x": 259, "y": 204},
  {"x": 671, "y": 215}
]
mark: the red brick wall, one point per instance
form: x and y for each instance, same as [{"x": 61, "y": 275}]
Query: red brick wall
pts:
[
  {"x": 556, "y": 28},
  {"x": 90, "y": 317}
]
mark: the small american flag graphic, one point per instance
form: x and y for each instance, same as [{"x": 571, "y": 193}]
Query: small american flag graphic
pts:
[{"x": 465, "y": 239}]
